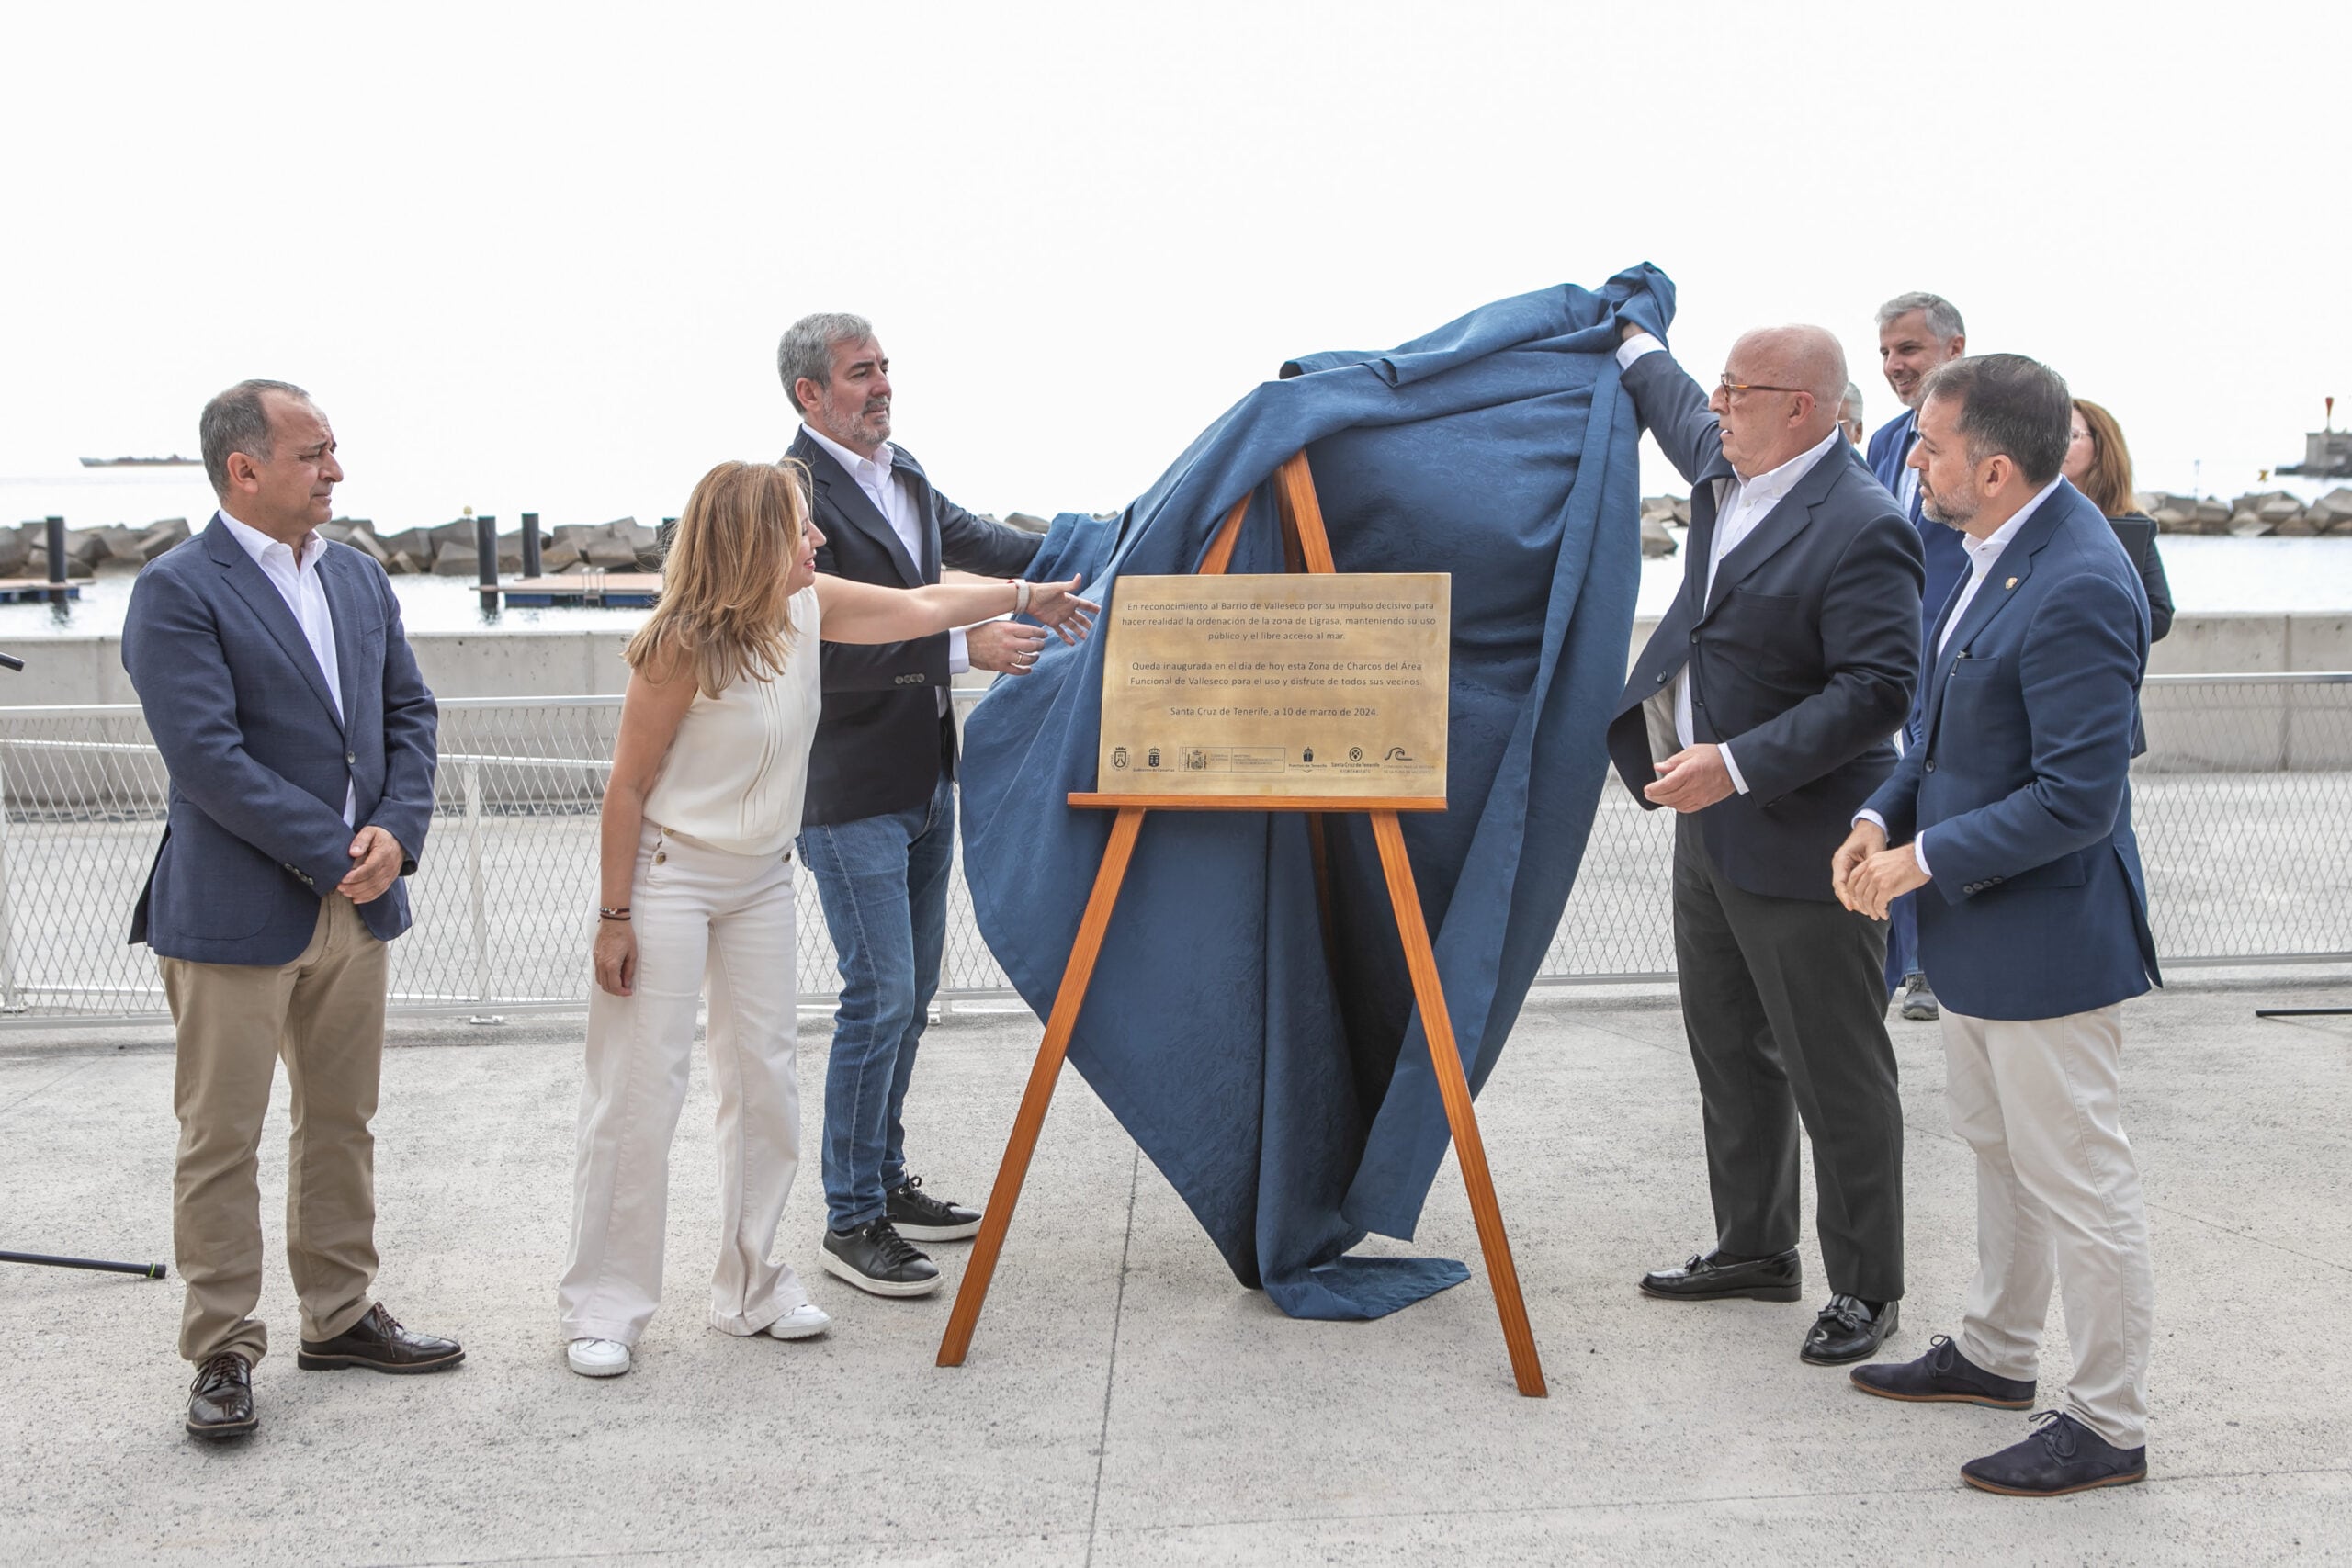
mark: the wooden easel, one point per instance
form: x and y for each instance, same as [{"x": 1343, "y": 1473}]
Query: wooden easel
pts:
[{"x": 1304, "y": 545}]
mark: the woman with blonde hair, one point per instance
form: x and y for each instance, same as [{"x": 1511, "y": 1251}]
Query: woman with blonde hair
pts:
[
  {"x": 698, "y": 822},
  {"x": 2098, "y": 464}
]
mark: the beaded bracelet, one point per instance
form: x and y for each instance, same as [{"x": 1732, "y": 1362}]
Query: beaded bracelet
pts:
[{"x": 603, "y": 913}]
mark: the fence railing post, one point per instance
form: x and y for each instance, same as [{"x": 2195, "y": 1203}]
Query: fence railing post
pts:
[
  {"x": 477, "y": 892},
  {"x": 11, "y": 998}
]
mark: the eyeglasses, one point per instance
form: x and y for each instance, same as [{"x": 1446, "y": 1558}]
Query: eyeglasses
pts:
[{"x": 1728, "y": 386}]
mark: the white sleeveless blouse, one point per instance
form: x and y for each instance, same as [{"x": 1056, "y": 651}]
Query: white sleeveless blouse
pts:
[{"x": 737, "y": 772}]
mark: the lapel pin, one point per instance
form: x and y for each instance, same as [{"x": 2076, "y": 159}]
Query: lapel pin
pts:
[{"x": 2009, "y": 585}]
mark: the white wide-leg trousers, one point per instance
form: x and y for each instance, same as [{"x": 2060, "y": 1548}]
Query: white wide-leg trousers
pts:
[{"x": 703, "y": 917}]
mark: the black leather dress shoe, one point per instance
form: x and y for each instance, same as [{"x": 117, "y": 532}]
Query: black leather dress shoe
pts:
[
  {"x": 1712, "y": 1276},
  {"x": 378, "y": 1343},
  {"x": 2062, "y": 1456},
  {"x": 1943, "y": 1376},
  {"x": 221, "y": 1400},
  {"x": 1848, "y": 1330}
]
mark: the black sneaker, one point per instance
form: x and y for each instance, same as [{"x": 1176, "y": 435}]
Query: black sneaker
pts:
[
  {"x": 915, "y": 1213},
  {"x": 877, "y": 1258}
]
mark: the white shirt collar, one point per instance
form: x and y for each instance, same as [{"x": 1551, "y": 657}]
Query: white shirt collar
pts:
[
  {"x": 1983, "y": 553},
  {"x": 1774, "y": 483},
  {"x": 257, "y": 544},
  {"x": 857, "y": 468}
]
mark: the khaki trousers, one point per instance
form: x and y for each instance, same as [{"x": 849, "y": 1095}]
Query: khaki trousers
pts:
[
  {"x": 2057, "y": 1200},
  {"x": 323, "y": 1015},
  {"x": 704, "y": 919}
]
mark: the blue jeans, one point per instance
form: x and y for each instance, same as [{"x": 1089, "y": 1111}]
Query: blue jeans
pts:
[{"x": 883, "y": 881}]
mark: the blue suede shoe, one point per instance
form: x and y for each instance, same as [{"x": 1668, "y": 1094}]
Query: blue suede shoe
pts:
[
  {"x": 1943, "y": 1376},
  {"x": 2062, "y": 1456}
]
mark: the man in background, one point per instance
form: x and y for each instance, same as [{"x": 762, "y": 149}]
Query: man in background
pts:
[
  {"x": 1850, "y": 413},
  {"x": 1763, "y": 713},
  {"x": 1916, "y": 332},
  {"x": 879, "y": 826},
  {"x": 300, "y": 744},
  {"x": 2012, "y": 818}
]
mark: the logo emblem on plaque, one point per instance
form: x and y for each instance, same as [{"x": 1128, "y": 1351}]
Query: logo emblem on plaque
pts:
[
  {"x": 1151, "y": 758},
  {"x": 1306, "y": 754},
  {"x": 1355, "y": 753},
  {"x": 1193, "y": 759},
  {"x": 1119, "y": 758},
  {"x": 1397, "y": 754}
]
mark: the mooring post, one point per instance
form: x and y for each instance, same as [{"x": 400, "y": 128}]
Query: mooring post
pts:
[
  {"x": 486, "y": 559},
  {"x": 530, "y": 544},
  {"x": 56, "y": 558}
]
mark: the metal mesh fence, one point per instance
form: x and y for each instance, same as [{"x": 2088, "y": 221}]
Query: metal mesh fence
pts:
[{"x": 2243, "y": 804}]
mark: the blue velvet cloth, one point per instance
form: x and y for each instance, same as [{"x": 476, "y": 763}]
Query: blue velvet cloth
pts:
[{"x": 1294, "y": 1109}]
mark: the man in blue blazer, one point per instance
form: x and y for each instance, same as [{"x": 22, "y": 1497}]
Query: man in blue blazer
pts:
[
  {"x": 1763, "y": 712},
  {"x": 1916, "y": 332},
  {"x": 2012, "y": 817},
  {"x": 300, "y": 741}
]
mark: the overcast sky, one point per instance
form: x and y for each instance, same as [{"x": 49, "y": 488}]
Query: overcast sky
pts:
[{"x": 538, "y": 256}]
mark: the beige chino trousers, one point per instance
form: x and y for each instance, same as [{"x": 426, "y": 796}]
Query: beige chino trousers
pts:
[
  {"x": 2058, "y": 1200},
  {"x": 323, "y": 1015},
  {"x": 704, "y": 918}
]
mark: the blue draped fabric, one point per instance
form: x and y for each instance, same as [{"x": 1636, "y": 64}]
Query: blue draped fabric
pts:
[{"x": 1293, "y": 1107}]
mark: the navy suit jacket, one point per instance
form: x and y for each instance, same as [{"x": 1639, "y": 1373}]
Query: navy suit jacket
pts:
[
  {"x": 258, "y": 759},
  {"x": 880, "y": 740},
  {"x": 1804, "y": 657},
  {"x": 1940, "y": 549},
  {"x": 2021, "y": 785}
]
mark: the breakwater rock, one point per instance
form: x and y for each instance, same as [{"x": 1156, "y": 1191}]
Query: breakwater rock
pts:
[{"x": 2253, "y": 514}]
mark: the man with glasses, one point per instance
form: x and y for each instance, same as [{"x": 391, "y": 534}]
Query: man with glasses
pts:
[{"x": 1761, "y": 713}]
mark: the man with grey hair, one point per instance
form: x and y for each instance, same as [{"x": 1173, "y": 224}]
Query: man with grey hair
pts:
[
  {"x": 879, "y": 833},
  {"x": 1761, "y": 713},
  {"x": 1850, "y": 413},
  {"x": 300, "y": 741},
  {"x": 2010, "y": 818},
  {"x": 1916, "y": 332}
]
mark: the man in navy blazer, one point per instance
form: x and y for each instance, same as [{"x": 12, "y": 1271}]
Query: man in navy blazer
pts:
[
  {"x": 1916, "y": 332},
  {"x": 878, "y": 832},
  {"x": 1763, "y": 712},
  {"x": 2012, "y": 818},
  {"x": 299, "y": 742}
]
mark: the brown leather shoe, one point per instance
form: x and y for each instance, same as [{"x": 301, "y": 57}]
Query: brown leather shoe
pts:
[
  {"x": 378, "y": 1343},
  {"x": 221, "y": 1400}
]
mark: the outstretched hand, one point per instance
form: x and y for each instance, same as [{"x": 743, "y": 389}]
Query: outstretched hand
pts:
[{"x": 1058, "y": 606}]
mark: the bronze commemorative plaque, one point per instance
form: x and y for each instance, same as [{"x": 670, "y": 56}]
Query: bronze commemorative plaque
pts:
[{"x": 1295, "y": 684}]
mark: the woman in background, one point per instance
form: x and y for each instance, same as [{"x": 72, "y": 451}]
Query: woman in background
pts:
[
  {"x": 2099, "y": 465},
  {"x": 708, "y": 774}
]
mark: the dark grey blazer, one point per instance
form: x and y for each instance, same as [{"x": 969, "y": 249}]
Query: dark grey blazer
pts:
[
  {"x": 1804, "y": 656},
  {"x": 880, "y": 740},
  {"x": 258, "y": 761}
]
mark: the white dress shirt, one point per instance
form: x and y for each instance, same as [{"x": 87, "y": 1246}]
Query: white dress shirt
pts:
[
  {"x": 1906, "y": 483},
  {"x": 877, "y": 477},
  {"x": 295, "y": 578},
  {"x": 1740, "y": 505},
  {"x": 1984, "y": 554}
]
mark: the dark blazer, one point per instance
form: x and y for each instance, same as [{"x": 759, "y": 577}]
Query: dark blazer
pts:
[
  {"x": 1803, "y": 658},
  {"x": 258, "y": 761},
  {"x": 1941, "y": 552},
  {"x": 880, "y": 740},
  {"x": 2021, "y": 781}
]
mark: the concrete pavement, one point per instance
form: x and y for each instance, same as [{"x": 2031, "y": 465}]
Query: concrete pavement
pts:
[{"x": 1125, "y": 1402}]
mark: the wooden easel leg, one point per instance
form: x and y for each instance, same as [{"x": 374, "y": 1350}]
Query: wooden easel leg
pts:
[
  {"x": 1420, "y": 959},
  {"x": 974, "y": 1292}
]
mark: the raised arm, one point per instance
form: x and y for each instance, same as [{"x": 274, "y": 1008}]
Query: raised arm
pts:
[
  {"x": 1671, "y": 406},
  {"x": 862, "y": 613}
]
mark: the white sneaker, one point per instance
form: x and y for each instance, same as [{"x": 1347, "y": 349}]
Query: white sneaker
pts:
[
  {"x": 597, "y": 1357},
  {"x": 804, "y": 1322}
]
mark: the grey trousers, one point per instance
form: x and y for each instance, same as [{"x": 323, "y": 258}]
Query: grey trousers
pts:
[{"x": 1784, "y": 1004}]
